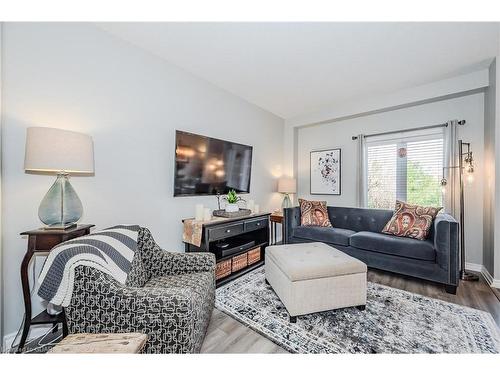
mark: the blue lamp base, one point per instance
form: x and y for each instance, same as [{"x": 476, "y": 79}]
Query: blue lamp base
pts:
[
  {"x": 60, "y": 207},
  {"x": 287, "y": 203}
]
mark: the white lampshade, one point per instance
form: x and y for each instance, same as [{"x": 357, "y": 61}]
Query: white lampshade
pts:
[
  {"x": 287, "y": 185},
  {"x": 57, "y": 150}
]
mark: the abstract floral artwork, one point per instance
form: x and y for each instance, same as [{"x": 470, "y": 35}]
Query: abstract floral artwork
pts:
[{"x": 325, "y": 172}]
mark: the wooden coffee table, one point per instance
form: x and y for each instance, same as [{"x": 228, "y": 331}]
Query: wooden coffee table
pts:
[{"x": 101, "y": 343}]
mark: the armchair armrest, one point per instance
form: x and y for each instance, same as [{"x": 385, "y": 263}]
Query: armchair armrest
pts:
[
  {"x": 171, "y": 263},
  {"x": 159, "y": 262},
  {"x": 291, "y": 220},
  {"x": 446, "y": 243}
]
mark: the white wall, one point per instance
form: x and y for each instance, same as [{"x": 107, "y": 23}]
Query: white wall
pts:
[
  {"x": 489, "y": 173},
  {"x": 1, "y": 239},
  {"x": 77, "y": 77},
  {"x": 496, "y": 257},
  {"x": 338, "y": 135},
  {"x": 430, "y": 92},
  {"x": 413, "y": 95}
]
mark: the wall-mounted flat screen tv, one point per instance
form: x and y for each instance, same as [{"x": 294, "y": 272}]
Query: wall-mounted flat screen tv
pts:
[{"x": 207, "y": 166}]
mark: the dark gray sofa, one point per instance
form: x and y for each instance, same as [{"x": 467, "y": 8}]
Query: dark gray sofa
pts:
[{"x": 357, "y": 232}]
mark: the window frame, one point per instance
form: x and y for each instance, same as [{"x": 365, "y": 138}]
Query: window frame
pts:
[{"x": 403, "y": 137}]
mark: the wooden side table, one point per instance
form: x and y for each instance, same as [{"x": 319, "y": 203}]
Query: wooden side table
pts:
[
  {"x": 41, "y": 241},
  {"x": 102, "y": 343},
  {"x": 276, "y": 218}
]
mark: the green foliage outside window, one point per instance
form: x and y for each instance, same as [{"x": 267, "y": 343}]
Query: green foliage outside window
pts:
[{"x": 422, "y": 188}]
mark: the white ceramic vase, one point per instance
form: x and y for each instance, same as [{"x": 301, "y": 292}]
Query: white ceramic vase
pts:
[{"x": 232, "y": 207}]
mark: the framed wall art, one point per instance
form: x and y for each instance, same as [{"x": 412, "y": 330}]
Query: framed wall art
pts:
[{"x": 326, "y": 172}]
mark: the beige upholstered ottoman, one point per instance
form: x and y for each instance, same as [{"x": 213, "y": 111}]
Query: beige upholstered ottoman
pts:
[{"x": 314, "y": 277}]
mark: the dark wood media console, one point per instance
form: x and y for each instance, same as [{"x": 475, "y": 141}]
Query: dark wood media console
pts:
[{"x": 245, "y": 240}]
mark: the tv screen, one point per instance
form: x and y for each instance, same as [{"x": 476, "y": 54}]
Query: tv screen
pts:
[{"x": 207, "y": 166}]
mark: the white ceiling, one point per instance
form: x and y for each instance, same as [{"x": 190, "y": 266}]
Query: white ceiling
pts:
[{"x": 295, "y": 68}]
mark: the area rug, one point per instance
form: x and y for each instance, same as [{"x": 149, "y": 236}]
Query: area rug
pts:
[{"x": 395, "y": 321}]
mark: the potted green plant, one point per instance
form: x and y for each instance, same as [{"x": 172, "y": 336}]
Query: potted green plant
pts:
[{"x": 232, "y": 200}]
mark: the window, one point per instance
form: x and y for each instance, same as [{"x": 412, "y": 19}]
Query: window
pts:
[{"x": 407, "y": 168}]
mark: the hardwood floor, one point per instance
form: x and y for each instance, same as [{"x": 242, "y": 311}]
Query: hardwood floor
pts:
[{"x": 227, "y": 335}]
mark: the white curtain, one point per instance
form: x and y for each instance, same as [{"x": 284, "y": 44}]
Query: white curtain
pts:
[
  {"x": 361, "y": 198},
  {"x": 451, "y": 173}
]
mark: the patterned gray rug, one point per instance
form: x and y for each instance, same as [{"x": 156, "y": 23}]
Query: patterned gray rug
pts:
[{"x": 395, "y": 321}]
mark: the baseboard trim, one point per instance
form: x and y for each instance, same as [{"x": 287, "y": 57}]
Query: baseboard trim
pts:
[
  {"x": 474, "y": 267},
  {"x": 495, "y": 283}
]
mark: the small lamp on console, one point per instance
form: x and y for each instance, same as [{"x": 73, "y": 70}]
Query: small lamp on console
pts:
[
  {"x": 287, "y": 186},
  {"x": 59, "y": 152}
]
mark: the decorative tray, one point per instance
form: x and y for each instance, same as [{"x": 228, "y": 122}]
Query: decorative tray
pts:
[{"x": 240, "y": 213}]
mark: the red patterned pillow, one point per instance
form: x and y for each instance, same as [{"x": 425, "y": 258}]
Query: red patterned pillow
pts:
[
  {"x": 410, "y": 220},
  {"x": 314, "y": 213}
]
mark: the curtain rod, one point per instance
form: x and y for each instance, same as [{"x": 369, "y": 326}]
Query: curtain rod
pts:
[{"x": 461, "y": 122}]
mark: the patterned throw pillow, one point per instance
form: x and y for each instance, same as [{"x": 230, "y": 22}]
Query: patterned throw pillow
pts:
[
  {"x": 410, "y": 220},
  {"x": 314, "y": 213}
]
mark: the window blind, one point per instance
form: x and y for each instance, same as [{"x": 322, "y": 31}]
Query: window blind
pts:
[
  {"x": 381, "y": 176},
  {"x": 404, "y": 168}
]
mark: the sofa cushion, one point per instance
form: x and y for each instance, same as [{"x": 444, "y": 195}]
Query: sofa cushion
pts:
[
  {"x": 388, "y": 244},
  {"x": 411, "y": 220},
  {"x": 314, "y": 213},
  {"x": 359, "y": 219},
  {"x": 336, "y": 236}
]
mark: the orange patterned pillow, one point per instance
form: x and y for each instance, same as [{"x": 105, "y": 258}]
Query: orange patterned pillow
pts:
[
  {"x": 410, "y": 220},
  {"x": 314, "y": 213}
]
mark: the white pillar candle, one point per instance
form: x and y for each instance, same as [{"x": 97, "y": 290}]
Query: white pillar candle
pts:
[
  {"x": 251, "y": 205},
  {"x": 207, "y": 215},
  {"x": 199, "y": 212},
  {"x": 256, "y": 209}
]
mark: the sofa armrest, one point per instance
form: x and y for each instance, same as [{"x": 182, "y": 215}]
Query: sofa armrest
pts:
[
  {"x": 446, "y": 243},
  {"x": 291, "y": 220}
]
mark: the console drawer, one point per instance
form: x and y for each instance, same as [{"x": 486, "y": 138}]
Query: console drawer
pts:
[
  {"x": 251, "y": 225},
  {"x": 225, "y": 231}
]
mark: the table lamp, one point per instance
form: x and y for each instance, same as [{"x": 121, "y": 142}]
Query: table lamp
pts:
[
  {"x": 287, "y": 186},
  {"x": 60, "y": 152}
]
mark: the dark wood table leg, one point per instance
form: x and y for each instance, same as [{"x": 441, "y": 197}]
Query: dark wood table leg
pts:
[
  {"x": 42, "y": 242},
  {"x": 64, "y": 324},
  {"x": 27, "y": 298}
]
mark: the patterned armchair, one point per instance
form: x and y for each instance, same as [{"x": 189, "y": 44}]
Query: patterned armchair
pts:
[{"x": 169, "y": 296}]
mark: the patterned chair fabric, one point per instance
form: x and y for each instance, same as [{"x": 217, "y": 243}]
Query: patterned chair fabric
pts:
[{"x": 168, "y": 296}]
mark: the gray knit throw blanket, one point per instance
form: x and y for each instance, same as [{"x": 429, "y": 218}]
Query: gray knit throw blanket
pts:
[{"x": 110, "y": 251}]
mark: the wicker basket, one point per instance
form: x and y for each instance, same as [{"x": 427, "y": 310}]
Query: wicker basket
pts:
[
  {"x": 223, "y": 269},
  {"x": 253, "y": 256},
  {"x": 239, "y": 262}
]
